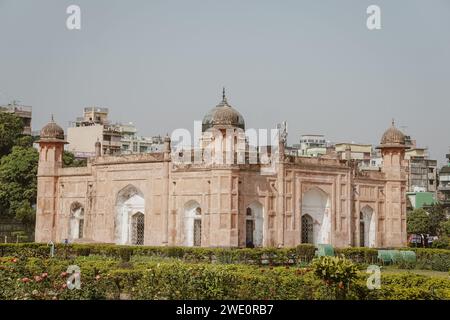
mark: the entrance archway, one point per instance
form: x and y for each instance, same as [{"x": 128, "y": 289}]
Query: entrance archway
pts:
[
  {"x": 367, "y": 227},
  {"x": 129, "y": 220},
  {"x": 254, "y": 225},
  {"x": 192, "y": 224},
  {"x": 76, "y": 221},
  {"x": 316, "y": 214}
]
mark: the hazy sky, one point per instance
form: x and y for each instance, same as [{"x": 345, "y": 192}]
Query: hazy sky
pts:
[{"x": 162, "y": 64}]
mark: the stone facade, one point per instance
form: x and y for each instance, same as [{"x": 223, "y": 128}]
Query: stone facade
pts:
[{"x": 152, "y": 200}]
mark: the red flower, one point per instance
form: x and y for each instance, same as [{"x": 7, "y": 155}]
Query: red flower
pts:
[
  {"x": 37, "y": 278},
  {"x": 64, "y": 274},
  {"x": 14, "y": 260},
  {"x": 25, "y": 280},
  {"x": 44, "y": 275},
  {"x": 341, "y": 285},
  {"x": 64, "y": 286},
  {"x": 97, "y": 277}
]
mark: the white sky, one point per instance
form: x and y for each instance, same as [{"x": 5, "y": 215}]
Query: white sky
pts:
[{"x": 162, "y": 64}]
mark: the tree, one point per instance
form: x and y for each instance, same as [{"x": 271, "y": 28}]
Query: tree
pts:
[
  {"x": 445, "y": 228},
  {"x": 26, "y": 214},
  {"x": 70, "y": 161},
  {"x": 418, "y": 222},
  {"x": 437, "y": 216},
  {"x": 18, "y": 181},
  {"x": 11, "y": 128},
  {"x": 24, "y": 141}
]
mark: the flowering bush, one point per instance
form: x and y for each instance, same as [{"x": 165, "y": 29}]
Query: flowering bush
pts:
[
  {"x": 337, "y": 273},
  {"x": 169, "y": 278}
]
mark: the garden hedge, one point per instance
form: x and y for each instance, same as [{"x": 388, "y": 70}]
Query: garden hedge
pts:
[
  {"x": 108, "y": 278},
  {"x": 427, "y": 258},
  {"x": 259, "y": 256}
]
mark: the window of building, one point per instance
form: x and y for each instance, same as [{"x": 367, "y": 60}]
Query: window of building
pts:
[
  {"x": 80, "y": 228},
  {"x": 137, "y": 233},
  {"x": 197, "y": 232},
  {"x": 307, "y": 229}
]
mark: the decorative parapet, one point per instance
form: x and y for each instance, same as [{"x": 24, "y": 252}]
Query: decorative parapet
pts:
[
  {"x": 75, "y": 171},
  {"x": 307, "y": 161},
  {"x": 374, "y": 175},
  {"x": 127, "y": 158}
]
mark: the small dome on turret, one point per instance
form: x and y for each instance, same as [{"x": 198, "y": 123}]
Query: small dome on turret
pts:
[
  {"x": 223, "y": 116},
  {"x": 52, "y": 131},
  {"x": 393, "y": 137}
]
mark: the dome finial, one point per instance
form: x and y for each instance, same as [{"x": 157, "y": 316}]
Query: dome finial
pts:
[
  {"x": 53, "y": 120},
  {"x": 393, "y": 122},
  {"x": 224, "y": 97}
]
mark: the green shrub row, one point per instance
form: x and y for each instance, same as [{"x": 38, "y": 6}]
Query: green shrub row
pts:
[
  {"x": 258, "y": 256},
  {"x": 105, "y": 278},
  {"x": 427, "y": 258}
]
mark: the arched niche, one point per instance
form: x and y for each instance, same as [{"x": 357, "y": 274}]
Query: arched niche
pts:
[
  {"x": 316, "y": 212},
  {"x": 254, "y": 225},
  {"x": 130, "y": 213},
  {"x": 192, "y": 224}
]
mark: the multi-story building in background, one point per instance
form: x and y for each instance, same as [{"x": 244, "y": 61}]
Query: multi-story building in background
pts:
[
  {"x": 422, "y": 175},
  {"x": 312, "y": 145},
  {"x": 354, "y": 151},
  {"x": 92, "y": 127},
  {"x": 444, "y": 184},
  {"x": 132, "y": 143},
  {"x": 23, "y": 112},
  {"x": 114, "y": 138}
]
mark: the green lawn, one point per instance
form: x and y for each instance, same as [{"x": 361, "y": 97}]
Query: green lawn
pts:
[{"x": 431, "y": 273}]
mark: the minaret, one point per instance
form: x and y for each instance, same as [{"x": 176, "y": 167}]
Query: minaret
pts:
[
  {"x": 392, "y": 222},
  {"x": 51, "y": 149}
]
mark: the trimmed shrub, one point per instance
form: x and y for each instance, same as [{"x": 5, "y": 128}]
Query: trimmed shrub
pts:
[
  {"x": 103, "y": 278},
  {"x": 359, "y": 255},
  {"x": 300, "y": 255},
  {"x": 258, "y": 256}
]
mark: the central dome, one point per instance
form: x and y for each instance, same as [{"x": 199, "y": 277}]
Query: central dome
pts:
[{"x": 223, "y": 116}]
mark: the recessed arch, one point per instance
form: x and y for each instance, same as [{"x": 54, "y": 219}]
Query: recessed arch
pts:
[
  {"x": 367, "y": 227},
  {"x": 130, "y": 216},
  {"x": 317, "y": 212},
  {"x": 254, "y": 225},
  {"x": 192, "y": 224},
  {"x": 76, "y": 221}
]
